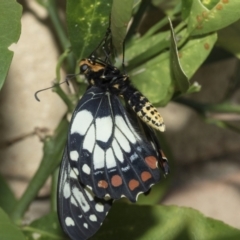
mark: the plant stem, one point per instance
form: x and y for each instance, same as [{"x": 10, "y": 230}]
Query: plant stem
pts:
[
  {"x": 52, "y": 155},
  {"x": 136, "y": 19},
  {"x": 54, "y": 187},
  {"x": 52, "y": 10},
  {"x": 224, "y": 107}
]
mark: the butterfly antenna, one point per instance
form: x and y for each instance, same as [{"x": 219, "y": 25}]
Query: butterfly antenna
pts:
[
  {"x": 101, "y": 43},
  {"x": 123, "y": 57},
  {"x": 68, "y": 77}
]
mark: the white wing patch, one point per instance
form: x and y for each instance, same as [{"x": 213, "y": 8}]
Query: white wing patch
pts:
[
  {"x": 86, "y": 169},
  {"x": 73, "y": 201},
  {"x": 81, "y": 199},
  {"x": 93, "y": 217},
  {"x": 133, "y": 130},
  {"x": 117, "y": 150},
  {"x": 89, "y": 194},
  {"x": 69, "y": 221},
  {"x": 120, "y": 122},
  {"x": 104, "y": 128},
  {"x": 89, "y": 140},
  {"x": 110, "y": 159},
  {"x": 66, "y": 190},
  {"x": 121, "y": 139},
  {"x": 98, "y": 157},
  {"x": 74, "y": 155},
  {"x": 99, "y": 207},
  {"x": 73, "y": 174},
  {"x": 85, "y": 118}
]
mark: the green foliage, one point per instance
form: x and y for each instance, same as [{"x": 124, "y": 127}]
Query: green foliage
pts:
[
  {"x": 202, "y": 21},
  {"x": 87, "y": 23},
  {"x": 160, "y": 61},
  {"x": 8, "y": 230},
  {"x": 7, "y": 199},
  {"x": 45, "y": 228},
  {"x": 10, "y": 15},
  {"x": 120, "y": 16},
  {"x": 162, "y": 222}
]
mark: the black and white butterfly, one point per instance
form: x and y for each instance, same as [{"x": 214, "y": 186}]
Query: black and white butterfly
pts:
[{"x": 111, "y": 151}]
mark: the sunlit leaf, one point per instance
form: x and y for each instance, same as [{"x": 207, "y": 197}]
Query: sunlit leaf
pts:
[
  {"x": 120, "y": 16},
  {"x": 9, "y": 231},
  {"x": 179, "y": 77},
  {"x": 229, "y": 38},
  {"x": 128, "y": 221},
  {"x": 154, "y": 78},
  {"x": 7, "y": 199},
  {"x": 87, "y": 23},
  {"x": 195, "y": 52},
  {"x": 186, "y": 8},
  {"x": 10, "y": 29},
  {"x": 202, "y": 20},
  {"x": 45, "y": 228},
  {"x": 210, "y": 3}
]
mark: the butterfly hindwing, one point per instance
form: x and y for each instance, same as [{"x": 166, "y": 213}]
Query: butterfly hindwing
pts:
[
  {"x": 80, "y": 212},
  {"x": 108, "y": 154}
]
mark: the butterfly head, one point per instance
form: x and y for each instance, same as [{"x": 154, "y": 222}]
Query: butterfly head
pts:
[{"x": 88, "y": 66}]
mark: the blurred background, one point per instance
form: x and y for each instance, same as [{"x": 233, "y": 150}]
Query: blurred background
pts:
[{"x": 205, "y": 157}]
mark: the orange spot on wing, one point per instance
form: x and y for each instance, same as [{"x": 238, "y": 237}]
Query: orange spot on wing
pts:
[
  {"x": 116, "y": 181},
  {"x": 133, "y": 184},
  {"x": 151, "y": 162},
  {"x": 102, "y": 184},
  {"x": 145, "y": 176}
]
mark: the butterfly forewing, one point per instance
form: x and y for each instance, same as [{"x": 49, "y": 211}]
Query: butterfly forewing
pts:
[
  {"x": 108, "y": 154},
  {"x": 81, "y": 213}
]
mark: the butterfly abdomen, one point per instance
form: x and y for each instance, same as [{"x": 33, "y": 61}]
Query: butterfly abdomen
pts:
[{"x": 144, "y": 109}]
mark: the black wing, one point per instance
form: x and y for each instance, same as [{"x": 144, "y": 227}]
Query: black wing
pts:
[
  {"x": 150, "y": 135},
  {"x": 80, "y": 212},
  {"x": 108, "y": 154}
]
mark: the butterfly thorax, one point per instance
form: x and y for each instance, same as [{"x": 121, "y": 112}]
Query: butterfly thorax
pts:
[{"x": 104, "y": 76}]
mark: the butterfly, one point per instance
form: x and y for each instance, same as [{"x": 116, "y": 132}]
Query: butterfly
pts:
[{"x": 111, "y": 152}]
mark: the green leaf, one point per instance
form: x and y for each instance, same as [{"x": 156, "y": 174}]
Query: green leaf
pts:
[
  {"x": 186, "y": 8},
  {"x": 45, "y": 228},
  {"x": 7, "y": 199},
  {"x": 202, "y": 20},
  {"x": 209, "y": 3},
  {"x": 154, "y": 78},
  {"x": 120, "y": 16},
  {"x": 193, "y": 54},
  {"x": 162, "y": 223},
  {"x": 195, "y": 87},
  {"x": 178, "y": 75},
  {"x": 10, "y": 29},
  {"x": 144, "y": 49},
  {"x": 228, "y": 38},
  {"x": 9, "y": 231},
  {"x": 87, "y": 22}
]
